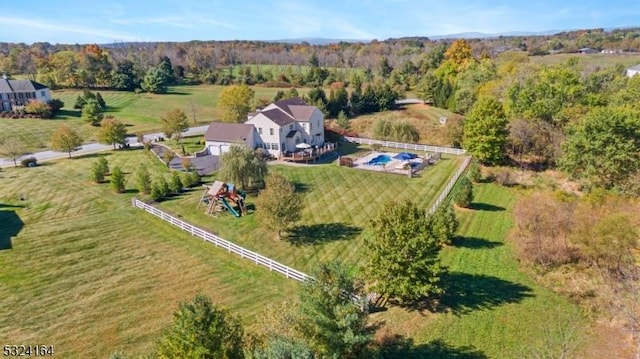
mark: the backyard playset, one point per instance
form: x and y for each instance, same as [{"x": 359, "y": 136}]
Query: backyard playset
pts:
[{"x": 221, "y": 196}]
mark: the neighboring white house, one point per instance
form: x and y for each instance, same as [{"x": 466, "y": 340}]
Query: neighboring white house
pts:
[
  {"x": 633, "y": 70},
  {"x": 220, "y": 136},
  {"x": 14, "y": 93},
  {"x": 284, "y": 124}
]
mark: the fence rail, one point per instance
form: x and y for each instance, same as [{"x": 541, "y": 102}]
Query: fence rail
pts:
[
  {"x": 406, "y": 146},
  {"x": 447, "y": 189},
  {"x": 223, "y": 243}
]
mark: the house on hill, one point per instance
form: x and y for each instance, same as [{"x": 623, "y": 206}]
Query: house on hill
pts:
[
  {"x": 283, "y": 126},
  {"x": 633, "y": 70},
  {"x": 16, "y": 93}
]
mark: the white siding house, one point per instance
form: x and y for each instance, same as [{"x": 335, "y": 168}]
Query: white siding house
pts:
[
  {"x": 285, "y": 124},
  {"x": 220, "y": 136},
  {"x": 632, "y": 71},
  {"x": 17, "y": 93}
]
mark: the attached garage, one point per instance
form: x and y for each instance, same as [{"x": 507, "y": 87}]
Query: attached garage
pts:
[{"x": 220, "y": 136}]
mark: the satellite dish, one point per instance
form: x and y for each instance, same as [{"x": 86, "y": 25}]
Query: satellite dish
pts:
[{"x": 443, "y": 120}]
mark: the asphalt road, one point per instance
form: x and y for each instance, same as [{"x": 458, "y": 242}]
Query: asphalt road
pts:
[{"x": 97, "y": 147}]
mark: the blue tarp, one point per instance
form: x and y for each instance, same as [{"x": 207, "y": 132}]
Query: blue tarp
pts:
[{"x": 405, "y": 156}]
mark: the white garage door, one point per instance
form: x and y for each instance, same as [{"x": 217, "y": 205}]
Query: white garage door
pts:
[
  {"x": 224, "y": 148},
  {"x": 214, "y": 150}
]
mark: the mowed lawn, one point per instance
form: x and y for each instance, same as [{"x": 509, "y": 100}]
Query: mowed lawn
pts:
[
  {"x": 84, "y": 271},
  {"x": 491, "y": 309},
  {"x": 140, "y": 112},
  {"x": 338, "y": 203}
]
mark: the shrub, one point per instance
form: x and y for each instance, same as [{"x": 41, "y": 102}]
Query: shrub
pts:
[
  {"x": 186, "y": 163},
  {"x": 175, "y": 184},
  {"x": 343, "y": 120},
  {"x": 117, "y": 180},
  {"x": 55, "y": 105},
  {"x": 159, "y": 189},
  {"x": 474, "y": 172},
  {"x": 29, "y": 162},
  {"x": 464, "y": 195},
  {"x": 376, "y": 147},
  {"x": 143, "y": 180},
  {"x": 503, "y": 176},
  {"x": 167, "y": 156},
  {"x": 39, "y": 109},
  {"x": 99, "y": 170}
]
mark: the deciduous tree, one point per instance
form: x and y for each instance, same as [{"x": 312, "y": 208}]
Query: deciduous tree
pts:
[
  {"x": 402, "y": 253},
  {"x": 112, "y": 131},
  {"x": 243, "y": 165},
  {"x": 485, "y": 131},
  {"x": 201, "y": 330},
  {"x": 278, "y": 205},
  {"x": 234, "y": 103},
  {"x": 603, "y": 150},
  {"x": 65, "y": 139},
  {"x": 174, "y": 122},
  {"x": 12, "y": 148}
]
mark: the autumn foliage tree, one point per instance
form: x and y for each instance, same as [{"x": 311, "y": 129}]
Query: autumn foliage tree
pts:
[
  {"x": 65, "y": 139},
  {"x": 112, "y": 131},
  {"x": 234, "y": 103},
  {"x": 485, "y": 131}
]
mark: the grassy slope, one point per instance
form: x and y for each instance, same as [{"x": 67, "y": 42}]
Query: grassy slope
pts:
[
  {"x": 90, "y": 274},
  {"x": 338, "y": 202},
  {"x": 590, "y": 61},
  {"x": 424, "y": 118},
  {"x": 493, "y": 309}
]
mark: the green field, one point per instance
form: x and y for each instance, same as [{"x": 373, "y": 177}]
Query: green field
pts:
[
  {"x": 491, "y": 309},
  {"x": 90, "y": 274},
  {"x": 141, "y": 112},
  {"x": 590, "y": 61}
]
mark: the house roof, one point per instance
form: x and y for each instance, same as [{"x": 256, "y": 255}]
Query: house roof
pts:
[
  {"x": 286, "y": 111},
  {"x": 9, "y": 86},
  {"x": 278, "y": 116},
  {"x": 228, "y": 132}
]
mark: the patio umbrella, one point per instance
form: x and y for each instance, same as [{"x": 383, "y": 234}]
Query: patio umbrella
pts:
[{"x": 303, "y": 145}]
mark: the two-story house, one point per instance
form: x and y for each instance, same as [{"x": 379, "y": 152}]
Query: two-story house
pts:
[
  {"x": 285, "y": 124},
  {"x": 15, "y": 93}
]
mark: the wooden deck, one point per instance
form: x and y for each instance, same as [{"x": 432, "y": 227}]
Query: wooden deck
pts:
[{"x": 309, "y": 155}]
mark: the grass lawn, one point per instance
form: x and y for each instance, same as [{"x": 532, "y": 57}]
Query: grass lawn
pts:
[
  {"x": 89, "y": 274},
  {"x": 590, "y": 61},
  {"x": 141, "y": 112},
  {"x": 338, "y": 203},
  {"x": 492, "y": 309},
  {"x": 425, "y": 118}
]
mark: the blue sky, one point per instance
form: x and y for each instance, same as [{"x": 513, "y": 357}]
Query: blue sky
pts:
[{"x": 69, "y": 21}]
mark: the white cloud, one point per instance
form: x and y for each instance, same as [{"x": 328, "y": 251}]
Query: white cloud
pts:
[{"x": 49, "y": 30}]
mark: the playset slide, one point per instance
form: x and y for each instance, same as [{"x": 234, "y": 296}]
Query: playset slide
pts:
[{"x": 230, "y": 207}]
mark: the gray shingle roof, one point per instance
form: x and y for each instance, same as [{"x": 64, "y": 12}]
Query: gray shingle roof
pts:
[
  {"x": 278, "y": 116},
  {"x": 228, "y": 132},
  {"x": 20, "y": 86}
]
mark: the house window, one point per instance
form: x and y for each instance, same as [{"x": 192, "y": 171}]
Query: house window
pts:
[
  {"x": 283, "y": 146},
  {"x": 260, "y": 130},
  {"x": 42, "y": 93},
  {"x": 310, "y": 126},
  {"x": 275, "y": 146},
  {"x": 291, "y": 126},
  {"x": 271, "y": 131}
]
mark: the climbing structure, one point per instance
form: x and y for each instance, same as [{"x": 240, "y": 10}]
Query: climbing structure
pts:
[{"x": 220, "y": 196}]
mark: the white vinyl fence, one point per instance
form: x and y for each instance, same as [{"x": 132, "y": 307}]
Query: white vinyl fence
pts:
[
  {"x": 222, "y": 243},
  {"x": 445, "y": 192},
  {"x": 405, "y": 146}
]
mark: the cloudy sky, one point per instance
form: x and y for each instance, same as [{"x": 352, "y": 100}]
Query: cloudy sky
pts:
[{"x": 71, "y": 21}]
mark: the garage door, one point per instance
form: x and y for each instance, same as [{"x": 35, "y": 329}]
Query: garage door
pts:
[
  {"x": 214, "y": 150},
  {"x": 224, "y": 148}
]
